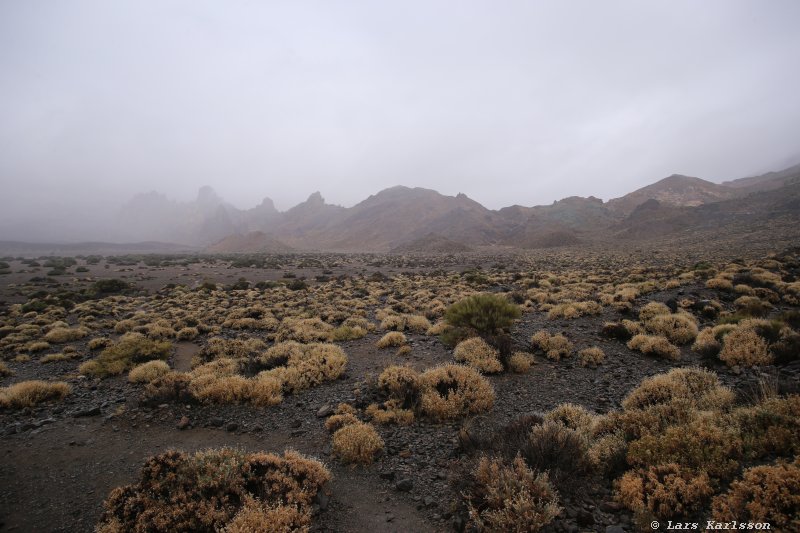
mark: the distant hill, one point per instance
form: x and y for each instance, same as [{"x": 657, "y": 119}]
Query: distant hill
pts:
[
  {"x": 405, "y": 218},
  {"x": 92, "y": 248},
  {"x": 676, "y": 190},
  {"x": 432, "y": 243},
  {"x": 253, "y": 242}
]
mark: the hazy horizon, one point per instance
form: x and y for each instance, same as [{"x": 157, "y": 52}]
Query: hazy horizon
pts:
[{"x": 524, "y": 103}]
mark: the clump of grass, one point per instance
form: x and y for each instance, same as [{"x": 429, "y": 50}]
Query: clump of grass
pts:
[
  {"x": 768, "y": 493},
  {"x": 31, "y": 393},
  {"x": 666, "y": 490},
  {"x": 554, "y": 346},
  {"x": 451, "y": 391},
  {"x": 357, "y": 442},
  {"x": 744, "y": 347},
  {"x": 60, "y": 335},
  {"x": 654, "y": 345},
  {"x": 392, "y": 338},
  {"x": 509, "y": 497},
  {"x": 301, "y": 366},
  {"x": 217, "y": 490},
  {"x": 5, "y": 371},
  {"x": 591, "y": 356},
  {"x": 131, "y": 349},
  {"x": 520, "y": 362},
  {"x": 391, "y": 412},
  {"x": 147, "y": 372},
  {"x": 476, "y": 353}
]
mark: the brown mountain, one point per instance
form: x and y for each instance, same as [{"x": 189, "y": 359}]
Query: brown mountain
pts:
[
  {"x": 432, "y": 243},
  {"x": 253, "y": 242},
  {"x": 675, "y": 190},
  {"x": 408, "y": 219}
]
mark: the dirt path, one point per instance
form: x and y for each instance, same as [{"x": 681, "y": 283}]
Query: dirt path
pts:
[{"x": 56, "y": 477}]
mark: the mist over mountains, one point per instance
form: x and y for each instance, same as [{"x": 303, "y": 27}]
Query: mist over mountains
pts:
[{"x": 418, "y": 219}]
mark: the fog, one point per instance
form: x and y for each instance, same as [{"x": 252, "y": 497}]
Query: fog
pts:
[{"x": 509, "y": 103}]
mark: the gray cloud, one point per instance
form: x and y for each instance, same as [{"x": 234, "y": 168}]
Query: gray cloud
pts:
[{"x": 516, "y": 102}]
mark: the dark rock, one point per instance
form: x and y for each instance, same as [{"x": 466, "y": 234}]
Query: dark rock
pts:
[
  {"x": 610, "y": 507},
  {"x": 183, "y": 423},
  {"x": 404, "y": 485},
  {"x": 585, "y": 518},
  {"x": 216, "y": 422},
  {"x": 297, "y": 433},
  {"x": 325, "y": 411},
  {"x": 295, "y": 424},
  {"x": 388, "y": 476},
  {"x": 322, "y": 500},
  {"x": 615, "y": 529},
  {"x": 232, "y": 426},
  {"x": 93, "y": 411}
]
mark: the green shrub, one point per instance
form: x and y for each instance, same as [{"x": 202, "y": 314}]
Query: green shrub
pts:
[{"x": 484, "y": 313}]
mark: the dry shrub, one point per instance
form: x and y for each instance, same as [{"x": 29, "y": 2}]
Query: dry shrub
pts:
[
  {"x": 220, "y": 348},
  {"x": 679, "y": 328},
  {"x": 709, "y": 341},
  {"x": 418, "y": 323},
  {"x": 338, "y": 421},
  {"x": 591, "y": 356},
  {"x": 31, "y": 393},
  {"x": 205, "y": 492},
  {"x": 653, "y": 309},
  {"x": 574, "y": 309},
  {"x": 574, "y": 417},
  {"x": 654, "y": 345},
  {"x": 391, "y": 412},
  {"x": 303, "y": 330},
  {"x": 39, "y": 346},
  {"x": 55, "y": 357},
  {"x": 254, "y": 515},
  {"x": 720, "y": 284},
  {"x": 438, "y": 328},
  {"x": 132, "y": 348},
  {"x": 520, "y": 362},
  {"x": 666, "y": 490},
  {"x": 61, "y": 335},
  {"x": 700, "y": 388},
  {"x": 173, "y": 386},
  {"x": 302, "y": 366},
  {"x": 622, "y": 330},
  {"x": 607, "y": 453},
  {"x": 393, "y": 338},
  {"x": 147, "y": 372},
  {"x": 357, "y": 443},
  {"x": 699, "y": 445},
  {"x": 769, "y": 493},
  {"x": 5, "y": 371},
  {"x": 259, "y": 390},
  {"x": 403, "y": 350},
  {"x": 403, "y": 384},
  {"x": 744, "y": 347},
  {"x": 561, "y": 451},
  {"x": 476, "y": 353},
  {"x": 347, "y": 333},
  {"x": 451, "y": 391},
  {"x": 554, "y": 346},
  {"x": 394, "y": 322},
  {"x": 99, "y": 342},
  {"x": 187, "y": 334},
  {"x": 771, "y": 427},
  {"x": 501, "y": 497}
]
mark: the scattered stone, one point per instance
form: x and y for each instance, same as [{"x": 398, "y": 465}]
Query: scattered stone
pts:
[
  {"x": 388, "y": 476},
  {"x": 92, "y": 411},
  {"x": 295, "y": 424},
  {"x": 615, "y": 529},
  {"x": 184, "y": 422},
  {"x": 585, "y": 518},
  {"x": 216, "y": 422},
  {"x": 404, "y": 485},
  {"x": 232, "y": 426},
  {"x": 325, "y": 411}
]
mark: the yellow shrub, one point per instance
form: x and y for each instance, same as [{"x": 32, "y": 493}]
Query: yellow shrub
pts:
[
  {"x": 769, "y": 493},
  {"x": 591, "y": 356},
  {"x": 554, "y": 346},
  {"x": 393, "y": 338},
  {"x": 476, "y": 353},
  {"x": 451, "y": 391},
  {"x": 147, "y": 372},
  {"x": 678, "y": 328},
  {"x": 654, "y": 345},
  {"x": 61, "y": 335},
  {"x": 520, "y": 362},
  {"x": 744, "y": 347},
  {"x": 357, "y": 443},
  {"x": 666, "y": 490},
  {"x": 31, "y": 393},
  {"x": 510, "y": 497}
]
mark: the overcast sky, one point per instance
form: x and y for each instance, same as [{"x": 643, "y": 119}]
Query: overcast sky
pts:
[{"x": 508, "y": 102}]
